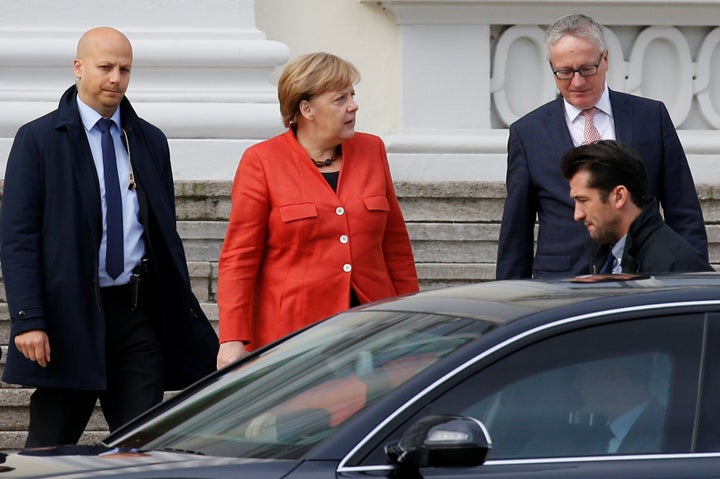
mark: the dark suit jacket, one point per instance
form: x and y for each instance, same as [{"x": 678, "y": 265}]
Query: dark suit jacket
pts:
[
  {"x": 50, "y": 232},
  {"x": 536, "y": 187},
  {"x": 646, "y": 434}
]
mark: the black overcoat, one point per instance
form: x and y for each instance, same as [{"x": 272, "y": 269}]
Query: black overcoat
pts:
[
  {"x": 651, "y": 246},
  {"x": 50, "y": 232}
]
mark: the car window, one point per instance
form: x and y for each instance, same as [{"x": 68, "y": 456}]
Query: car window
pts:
[
  {"x": 626, "y": 387},
  {"x": 708, "y": 437},
  {"x": 294, "y": 395},
  {"x": 609, "y": 405}
]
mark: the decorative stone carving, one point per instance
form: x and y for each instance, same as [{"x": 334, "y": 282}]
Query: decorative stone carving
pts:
[{"x": 664, "y": 50}]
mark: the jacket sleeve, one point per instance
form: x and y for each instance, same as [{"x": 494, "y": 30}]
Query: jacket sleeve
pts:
[
  {"x": 242, "y": 249},
  {"x": 20, "y": 234},
  {"x": 397, "y": 248},
  {"x": 515, "y": 244},
  {"x": 679, "y": 199}
]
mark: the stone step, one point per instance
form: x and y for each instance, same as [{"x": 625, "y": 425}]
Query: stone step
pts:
[
  {"x": 210, "y": 309},
  {"x": 439, "y": 201},
  {"x": 211, "y": 200},
  {"x": 206, "y": 200},
  {"x": 446, "y": 201},
  {"x": 14, "y": 419},
  {"x": 432, "y": 242},
  {"x": 13, "y": 440}
]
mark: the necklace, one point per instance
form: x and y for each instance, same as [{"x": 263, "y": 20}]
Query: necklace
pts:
[{"x": 328, "y": 161}]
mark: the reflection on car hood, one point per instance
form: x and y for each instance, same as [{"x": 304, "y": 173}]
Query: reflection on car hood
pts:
[{"x": 153, "y": 464}]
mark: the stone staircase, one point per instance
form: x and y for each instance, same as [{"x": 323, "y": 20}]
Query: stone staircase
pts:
[{"x": 453, "y": 228}]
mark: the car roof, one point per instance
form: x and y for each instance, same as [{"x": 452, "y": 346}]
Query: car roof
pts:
[{"x": 504, "y": 301}]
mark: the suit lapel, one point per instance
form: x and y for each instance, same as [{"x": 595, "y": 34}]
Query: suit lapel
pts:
[
  {"x": 144, "y": 215},
  {"x": 556, "y": 127},
  {"x": 86, "y": 179},
  {"x": 646, "y": 434},
  {"x": 622, "y": 116},
  {"x": 150, "y": 190}
]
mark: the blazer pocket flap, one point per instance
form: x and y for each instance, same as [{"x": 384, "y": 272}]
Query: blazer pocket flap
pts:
[
  {"x": 377, "y": 203},
  {"x": 290, "y": 213}
]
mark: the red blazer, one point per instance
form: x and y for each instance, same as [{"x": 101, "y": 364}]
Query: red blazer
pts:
[{"x": 294, "y": 248}]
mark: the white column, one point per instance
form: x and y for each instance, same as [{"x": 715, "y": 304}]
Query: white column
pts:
[
  {"x": 200, "y": 72},
  {"x": 445, "y": 94}
]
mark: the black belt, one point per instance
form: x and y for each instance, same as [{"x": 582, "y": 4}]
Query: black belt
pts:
[{"x": 134, "y": 291}]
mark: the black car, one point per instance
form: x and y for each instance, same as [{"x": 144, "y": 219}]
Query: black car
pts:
[{"x": 585, "y": 378}]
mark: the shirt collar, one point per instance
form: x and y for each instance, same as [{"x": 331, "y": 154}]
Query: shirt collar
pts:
[
  {"x": 618, "y": 248},
  {"x": 89, "y": 117},
  {"x": 603, "y": 105},
  {"x": 621, "y": 425}
]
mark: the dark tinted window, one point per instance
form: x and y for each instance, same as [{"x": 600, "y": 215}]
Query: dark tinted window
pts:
[
  {"x": 708, "y": 439},
  {"x": 557, "y": 396}
]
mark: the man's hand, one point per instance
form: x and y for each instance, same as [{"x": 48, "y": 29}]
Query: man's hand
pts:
[
  {"x": 230, "y": 352},
  {"x": 35, "y": 346}
]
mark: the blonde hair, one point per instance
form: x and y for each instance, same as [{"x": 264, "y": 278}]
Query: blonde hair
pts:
[{"x": 309, "y": 75}]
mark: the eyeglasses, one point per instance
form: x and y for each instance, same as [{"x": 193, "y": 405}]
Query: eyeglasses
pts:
[{"x": 584, "y": 71}]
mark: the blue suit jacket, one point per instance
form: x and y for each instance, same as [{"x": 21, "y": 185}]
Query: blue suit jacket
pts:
[{"x": 536, "y": 187}]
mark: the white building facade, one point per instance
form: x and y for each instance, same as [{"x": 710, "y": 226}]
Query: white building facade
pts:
[{"x": 441, "y": 79}]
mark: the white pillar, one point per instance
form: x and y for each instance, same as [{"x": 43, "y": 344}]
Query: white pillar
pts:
[
  {"x": 445, "y": 95},
  {"x": 200, "y": 72}
]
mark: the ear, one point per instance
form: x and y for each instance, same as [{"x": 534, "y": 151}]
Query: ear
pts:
[
  {"x": 77, "y": 68},
  {"x": 620, "y": 195},
  {"x": 306, "y": 109}
]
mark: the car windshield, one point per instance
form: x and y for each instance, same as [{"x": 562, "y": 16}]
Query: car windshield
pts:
[{"x": 281, "y": 403}]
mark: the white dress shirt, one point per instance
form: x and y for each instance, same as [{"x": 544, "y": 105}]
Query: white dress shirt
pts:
[{"x": 603, "y": 119}]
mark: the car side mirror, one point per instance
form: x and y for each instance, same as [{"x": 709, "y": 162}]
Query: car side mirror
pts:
[{"x": 442, "y": 441}]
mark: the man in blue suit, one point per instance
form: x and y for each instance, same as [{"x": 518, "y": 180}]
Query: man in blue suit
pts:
[
  {"x": 585, "y": 111},
  {"x": 85, "y": 327}
]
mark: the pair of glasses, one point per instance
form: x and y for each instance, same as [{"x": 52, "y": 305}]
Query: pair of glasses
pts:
[{"x": 584, "y": 71}]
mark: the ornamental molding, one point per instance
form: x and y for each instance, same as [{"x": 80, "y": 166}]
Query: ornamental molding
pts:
[
  {"x": 513, "y": 12},
  {"x": 470, "y": 68}
]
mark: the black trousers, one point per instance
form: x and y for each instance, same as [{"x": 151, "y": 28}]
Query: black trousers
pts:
[{"x": 134, "y": 372}]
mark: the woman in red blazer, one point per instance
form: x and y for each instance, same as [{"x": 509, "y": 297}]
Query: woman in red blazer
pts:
[{"x": 315, "y": 225}]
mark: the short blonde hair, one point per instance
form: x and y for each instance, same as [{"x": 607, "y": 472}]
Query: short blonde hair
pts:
[{"x": 309, "y": 75}]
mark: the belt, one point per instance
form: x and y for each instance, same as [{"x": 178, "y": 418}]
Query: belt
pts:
[{"x": 134, "y": 291}]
